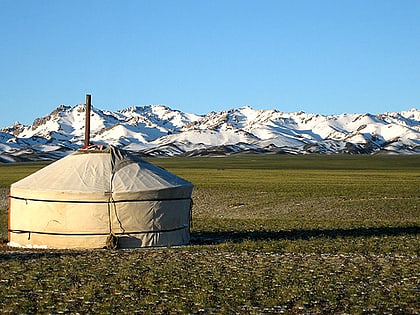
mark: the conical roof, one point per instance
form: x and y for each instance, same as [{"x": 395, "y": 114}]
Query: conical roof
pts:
[{"x": 101, "y": 174}]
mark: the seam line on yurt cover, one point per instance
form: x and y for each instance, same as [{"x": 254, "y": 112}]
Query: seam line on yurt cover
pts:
[
  {"x": 93, "y": 201},
  {"x": 93, "y": 234}
]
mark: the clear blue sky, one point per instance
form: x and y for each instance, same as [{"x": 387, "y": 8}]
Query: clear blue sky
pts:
[{"x": 322, "y": 56}]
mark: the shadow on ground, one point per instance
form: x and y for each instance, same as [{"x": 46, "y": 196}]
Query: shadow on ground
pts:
[
  {"x": 208, "y": 238},
  {"x": 213, "y": 238},
  {"x": 8, "y": 253}
]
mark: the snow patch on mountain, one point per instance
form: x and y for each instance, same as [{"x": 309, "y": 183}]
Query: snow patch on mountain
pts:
[{"x": 157, "y": 130}]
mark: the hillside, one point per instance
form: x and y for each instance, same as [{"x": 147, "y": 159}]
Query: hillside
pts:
[{"x": 157, "y": 130}]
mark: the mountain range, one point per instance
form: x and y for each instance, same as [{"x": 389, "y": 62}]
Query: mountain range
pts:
[{"x": 157, "y": 130}]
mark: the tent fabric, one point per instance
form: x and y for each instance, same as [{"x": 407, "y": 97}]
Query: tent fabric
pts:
[{"x": 90, "y": 195}]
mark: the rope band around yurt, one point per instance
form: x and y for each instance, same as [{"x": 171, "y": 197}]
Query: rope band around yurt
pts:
[
  {"x": 96, "y": 201},
  {"x": 95, "y": 234}
]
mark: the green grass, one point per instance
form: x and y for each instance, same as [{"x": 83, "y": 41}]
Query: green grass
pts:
[
  {"x": 9, "y": 173},
  {"x": 271, "y": 234}
]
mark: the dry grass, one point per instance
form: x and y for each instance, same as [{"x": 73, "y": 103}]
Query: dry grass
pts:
[
  {"x": 267, "y": 238},
  {"x": 206, "y": 280}
]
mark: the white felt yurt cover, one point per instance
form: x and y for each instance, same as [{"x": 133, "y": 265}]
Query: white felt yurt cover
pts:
[{"x": 96, "y": 198}]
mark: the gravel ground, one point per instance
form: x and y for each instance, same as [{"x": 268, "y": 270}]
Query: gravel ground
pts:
[{"x": 207, "y": 280}]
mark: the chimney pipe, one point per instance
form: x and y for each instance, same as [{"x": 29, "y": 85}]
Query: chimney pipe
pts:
[{"x": 87, "y": 121}]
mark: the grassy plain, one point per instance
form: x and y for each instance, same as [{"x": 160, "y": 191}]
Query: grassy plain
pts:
[{"x": 271, "y": 234}]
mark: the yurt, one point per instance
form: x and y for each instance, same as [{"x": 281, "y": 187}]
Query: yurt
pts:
[{"x": 100, "y": 197}]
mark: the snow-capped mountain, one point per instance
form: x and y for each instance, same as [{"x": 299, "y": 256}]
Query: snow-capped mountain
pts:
[{"x": 157, "y": 130}]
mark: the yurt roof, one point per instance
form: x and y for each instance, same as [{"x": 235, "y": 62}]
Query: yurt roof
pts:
[{"x": 99, "y": 174}]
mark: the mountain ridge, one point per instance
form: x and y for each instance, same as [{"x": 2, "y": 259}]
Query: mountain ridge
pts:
[{"x": 157, "y": 130}]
